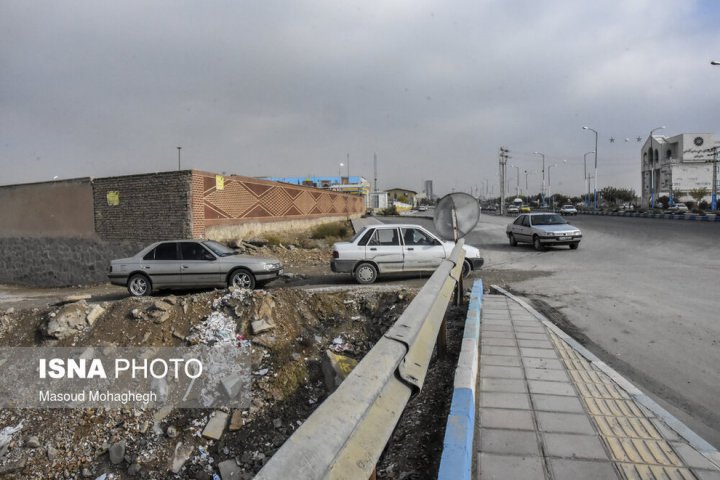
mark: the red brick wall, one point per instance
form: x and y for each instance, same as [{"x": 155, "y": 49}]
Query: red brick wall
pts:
[{"x": 248, "y": 199}]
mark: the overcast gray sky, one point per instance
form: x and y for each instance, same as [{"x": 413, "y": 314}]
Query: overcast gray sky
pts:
[{"x": 285, "y": 88}]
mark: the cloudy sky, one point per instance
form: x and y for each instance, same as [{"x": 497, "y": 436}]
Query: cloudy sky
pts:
[{"x": 285, "y": 88}]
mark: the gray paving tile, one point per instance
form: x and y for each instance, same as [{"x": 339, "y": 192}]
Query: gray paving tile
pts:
[
  {"x": 498, "y": 342},
  {"x": 546, "y": 374},
  {"x": 532, "y": 336},
  {"x": 490, "y": 350},
  {"x": 535, "y": 343},
  {"x": 518, "y": 401},
  {"x": 551, "y": 388},
  {"x": 538, "y": 353},
  {"x": 492, "y": 371},
  {"x": 692, "y": 457},
  {"x": 530, "y": 329},
  {"x": 494, "y": 334},
  {"x": 556, "y": 403},
  {"x": 564, "y": 423},
  {"x": 500, "y": 360},
  {"x": 548, "y": 363},
  {"x": 507, "y": 419},
  {"x": 573, "y": 446},
  {"x": 509, "y": 442},
  {"x": 587, "y": 470},
  {"x": 525, "y": 323},
  {"x": 496, "y": 328},
  {"x": 502, "y": 385},
  {"x": 503, "y": 467}
]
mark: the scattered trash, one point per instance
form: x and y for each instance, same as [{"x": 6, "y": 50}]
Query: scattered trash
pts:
[{"x": 7, "y": 433}]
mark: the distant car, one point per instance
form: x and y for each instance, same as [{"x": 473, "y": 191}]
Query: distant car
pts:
[
  {"x": 379, "y": 249},
  {"x": 543, "y": 230},
  {"x": 191, "y": 264},
  {"x": 513, "y": 209},
  {"x": 525, "y": 209},
  {"x": 678, "y": 208},
  {"x": 422, "y": 208},
  {"x": 568, "y": 210}
]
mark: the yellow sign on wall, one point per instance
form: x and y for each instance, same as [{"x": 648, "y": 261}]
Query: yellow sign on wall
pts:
[
  {"x": 219, "y": 182},
  {"x": 113, "y": 198}
]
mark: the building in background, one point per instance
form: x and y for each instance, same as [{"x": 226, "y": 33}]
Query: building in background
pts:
[
  {"x": 354, "y": 185},
  {"x": 673, "y": 166},
  {"x": 429, "y": 190},
  {"x": 402, "y": 195}
]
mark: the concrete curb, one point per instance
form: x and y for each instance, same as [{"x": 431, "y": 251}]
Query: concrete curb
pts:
[
  {"x": 666, "y": 216},
  {"x": 457, "y": 456},
  {"x": 697, "y": 442}
]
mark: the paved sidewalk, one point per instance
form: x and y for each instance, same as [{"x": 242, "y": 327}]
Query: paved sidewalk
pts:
[{"x": 546, "y": 412}]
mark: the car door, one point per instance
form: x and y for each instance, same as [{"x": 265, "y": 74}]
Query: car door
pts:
[
  {"x": 199, "y": 267},
  {"x": 421, "y": 250},
  {"x": 162, "y": 264},
  {"x": 521, "y": 228},
  {"x": 385, "y": 250}
]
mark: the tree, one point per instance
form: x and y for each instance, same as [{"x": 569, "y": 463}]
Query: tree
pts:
[
  {"x": 698, "y": 194},
  {"x": 615, "y": 195}
]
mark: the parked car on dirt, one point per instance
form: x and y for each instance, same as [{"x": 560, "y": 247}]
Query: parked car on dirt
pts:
[
  {"x": 379, "y": 249},
  {"x": 568, "y": 210},
  {"x": 191, "y": 264},
  {"x": 543, "y": 230}
]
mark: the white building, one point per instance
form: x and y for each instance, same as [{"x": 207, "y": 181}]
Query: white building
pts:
[{"x": 672, "y": 166}]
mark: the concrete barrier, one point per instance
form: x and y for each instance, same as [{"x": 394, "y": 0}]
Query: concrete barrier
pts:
[{"x": 457, "y": 456}]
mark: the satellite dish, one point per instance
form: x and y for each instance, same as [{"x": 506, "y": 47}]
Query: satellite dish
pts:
[{"x": 456, "y": 215}]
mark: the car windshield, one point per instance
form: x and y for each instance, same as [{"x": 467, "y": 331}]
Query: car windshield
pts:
[
  {"x": 219, "y": 249},
  {"x": 548, "y": 220}
]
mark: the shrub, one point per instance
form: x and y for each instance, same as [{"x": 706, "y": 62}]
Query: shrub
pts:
[{"x": 330, "y": 230}]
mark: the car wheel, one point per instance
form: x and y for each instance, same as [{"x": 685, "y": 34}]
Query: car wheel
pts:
[
  {"x": 536, "y": 243},
  {"x": 513, "y": 242},
  {"x": 366, "y": 273},
  {"x": 574, "y": 245},
  {"x": 467, "y": 268},
  {"x": 139, "y": 285},
  {"x": 242, "y": 279}
]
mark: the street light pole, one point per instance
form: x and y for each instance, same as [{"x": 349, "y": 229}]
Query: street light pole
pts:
[
  {"x": 587, "y": 183},
  {"x": 517, "y": 180},
  {"x": 179, "y": 148},
  {"x": 652, "y": 168},
  {"x": 596, "y": 172},
  {"x": 542, "y": 192}
]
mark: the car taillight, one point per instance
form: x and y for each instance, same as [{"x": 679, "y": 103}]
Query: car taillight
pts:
[{"x": 336, "y": 254}]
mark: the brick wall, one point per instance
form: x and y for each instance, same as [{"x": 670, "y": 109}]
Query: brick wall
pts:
[
  {"x": 148, "y": 207},
  {"x": 245, "y": 199}
]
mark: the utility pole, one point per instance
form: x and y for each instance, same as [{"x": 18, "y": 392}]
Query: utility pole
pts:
[
  {"x": 375, "y": 172},
  {"x": 713, "y": 205},
  {"x": 503, "y": 158},
  {"x": 179, "y": 148}
]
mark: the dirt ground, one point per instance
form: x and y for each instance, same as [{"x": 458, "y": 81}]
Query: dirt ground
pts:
[{"x": 288, "y": 386}]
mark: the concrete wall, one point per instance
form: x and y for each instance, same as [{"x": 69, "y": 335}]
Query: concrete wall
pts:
[
  {"x": 59, "y": 262},
  {"x": 61, "y": 208},
  {"x": 148, "y": 207}
]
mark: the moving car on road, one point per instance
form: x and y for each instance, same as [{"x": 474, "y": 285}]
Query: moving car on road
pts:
[
  {"x": 568, "y": 210},
  {"x": 379, "y": 249},
  {"x": 543, "y": 230},
  {"x": 678, "y": 208},
  {"x": 191, "y": 264}
]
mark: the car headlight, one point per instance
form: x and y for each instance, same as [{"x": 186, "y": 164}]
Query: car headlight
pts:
[{"x": 272, "y": 266}]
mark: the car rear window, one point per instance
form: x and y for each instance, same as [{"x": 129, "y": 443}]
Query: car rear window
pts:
[{"x": 166, "y": 251}]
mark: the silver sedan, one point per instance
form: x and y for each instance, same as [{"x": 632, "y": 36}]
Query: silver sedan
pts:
[
  {"x": 543, "y": 230},
  {"x": 191, "y": 264}
]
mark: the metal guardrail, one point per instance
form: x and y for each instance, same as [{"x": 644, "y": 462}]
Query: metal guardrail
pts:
[{"x": 344, "y": 437}]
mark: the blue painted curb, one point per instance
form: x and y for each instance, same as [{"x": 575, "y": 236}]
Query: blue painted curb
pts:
[
  {"x": 692, "y": 217},
  {"x": 456, "y": 461}
]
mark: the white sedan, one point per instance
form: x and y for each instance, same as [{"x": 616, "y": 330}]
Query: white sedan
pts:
[
  {"x": 379, "y": 249},
  {"x": 543, "y": 230}
]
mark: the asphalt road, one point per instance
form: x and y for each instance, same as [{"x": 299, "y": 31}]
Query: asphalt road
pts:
[{"x": 642, "y": 294}]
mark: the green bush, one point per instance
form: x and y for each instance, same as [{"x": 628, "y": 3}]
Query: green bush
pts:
[{"x": 330, "y": 230}]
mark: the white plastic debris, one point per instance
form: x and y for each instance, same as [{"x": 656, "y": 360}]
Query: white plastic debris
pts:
[{"x": 7, "y": 433}]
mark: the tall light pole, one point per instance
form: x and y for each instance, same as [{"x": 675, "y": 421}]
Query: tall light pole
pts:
[
  {"x": 517, "y": 180},
  {"x": 542, "y": 192},
  {"x": 179, "y": 148},
  {"x": 550, "y": 184},
  {"x": 340, "y": 171},
  {"x": 348, "y": 160},
  {"x": 587, "y": 183},
  {"x": 595, "y": 189},
  {"x": 652, "y": 168},
  {"x": 714, "y": 62}
]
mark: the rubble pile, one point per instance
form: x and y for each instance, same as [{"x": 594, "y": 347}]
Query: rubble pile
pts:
[{"x": 290, "y": 335}]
